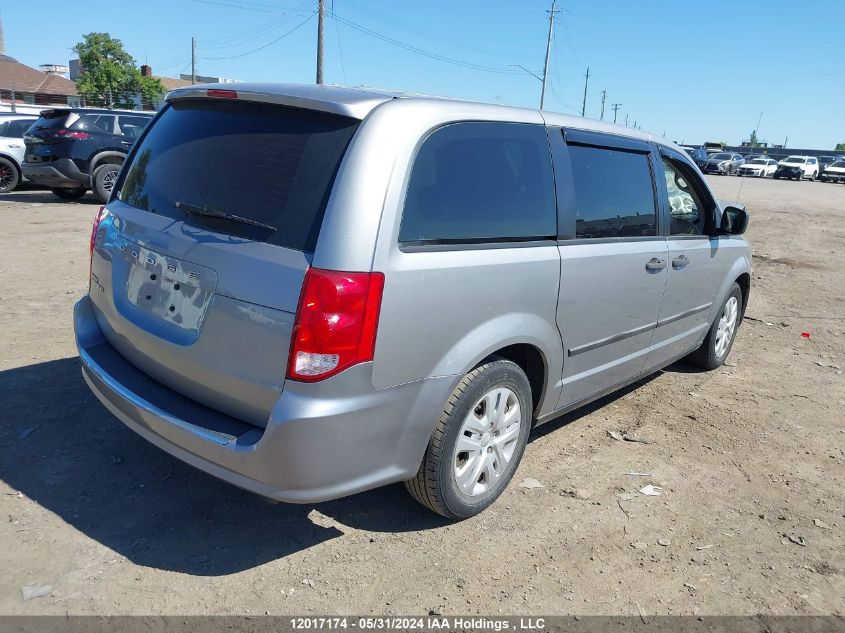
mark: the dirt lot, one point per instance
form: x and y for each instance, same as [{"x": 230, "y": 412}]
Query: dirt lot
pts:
[{"x": 748, "y": 456}]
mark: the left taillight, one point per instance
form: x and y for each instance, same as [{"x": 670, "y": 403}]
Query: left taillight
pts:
[{"x": 336, "y": 323}]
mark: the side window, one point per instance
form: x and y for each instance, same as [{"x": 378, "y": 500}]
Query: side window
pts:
[
  {"x": 813, "y": 161},
  {"x": 17, "y": 128},
  {"x": 95, "y": 123},
  {"x": 481, "y": 182},
  {"x": 132, "y": 126},
  {"x": 614, "y": 196},
  {"x": 688, "y": 210}
]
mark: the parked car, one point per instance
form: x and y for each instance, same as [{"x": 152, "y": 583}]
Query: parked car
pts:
[
  {"x": 798, "y": 167},
  {"x": 713, "y": 147},
  {"x": 760, "y": 167},
  {"x": 698, "y": 155},
  {"x": 73, "y": 150},
  {"x": 751, "y": 157},
  {"x": 384, "y": 301},
  {"x": 722, "y": 163},
  {"x": 834, "y": 172},
  {"x": 824, "y": 161},
  {"x": 12, "y": 128}
]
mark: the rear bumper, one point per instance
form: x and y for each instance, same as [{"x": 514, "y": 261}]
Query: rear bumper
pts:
[
  {"x": 322, "y": 441},
  {"x": 58, "y": 173}
]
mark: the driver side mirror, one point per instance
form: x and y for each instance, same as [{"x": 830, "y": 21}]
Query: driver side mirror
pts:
[{"x": 734, "y": 220}]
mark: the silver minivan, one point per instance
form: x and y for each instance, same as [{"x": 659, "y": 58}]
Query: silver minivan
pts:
[{"x": 311, "y": 291}]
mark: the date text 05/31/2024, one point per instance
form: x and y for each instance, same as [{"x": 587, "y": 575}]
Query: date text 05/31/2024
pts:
[{"x": 435, "y": 623}]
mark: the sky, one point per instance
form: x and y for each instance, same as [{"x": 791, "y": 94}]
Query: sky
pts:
[{"x": 692, "y": 71}]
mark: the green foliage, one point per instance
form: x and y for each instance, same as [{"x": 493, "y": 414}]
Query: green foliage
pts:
[
  {"x": 152, "y": 91},
  {"x": 752, "y": 140},
  {"x": 109, "y": 76},
  {"x": 840, "y": 147}
]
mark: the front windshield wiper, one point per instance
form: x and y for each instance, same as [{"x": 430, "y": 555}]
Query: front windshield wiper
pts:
[{"x": 193, "y": 209}]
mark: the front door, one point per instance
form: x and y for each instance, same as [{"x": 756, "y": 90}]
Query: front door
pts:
[
  {"x": 696, "y": 265},
  {"x": 613, "y": 264}
]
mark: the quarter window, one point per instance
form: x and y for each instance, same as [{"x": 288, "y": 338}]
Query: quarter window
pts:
[
  {"x": 614, "y": 196},
  {"x": 481, "y": 182}
]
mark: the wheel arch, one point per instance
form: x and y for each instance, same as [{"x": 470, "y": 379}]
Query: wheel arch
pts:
[
  {"x": 533, "y": 362},
  {"x": 112, "y": 157}
]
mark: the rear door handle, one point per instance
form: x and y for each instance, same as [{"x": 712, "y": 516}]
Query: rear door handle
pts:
[
  {"x": 655, "y": 264},
  {"x": 679, "y": 262}
]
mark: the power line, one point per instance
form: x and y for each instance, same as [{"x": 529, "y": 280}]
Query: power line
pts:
[
  {"x": 232, "y": 6},
  {"x": 425, "y": 53},
  {"x": 257, "y": 32},
  {"x": 411, "y": 28},
  {"x": 260, "y": 48},
  {"x": 339, "y": 47}
]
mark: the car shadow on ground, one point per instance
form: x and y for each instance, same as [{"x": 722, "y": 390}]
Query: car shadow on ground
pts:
[
  {"x": 29, "y": 194},
  {"x": 66, "y": 452}
]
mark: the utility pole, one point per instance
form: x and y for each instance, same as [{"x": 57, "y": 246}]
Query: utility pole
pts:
[
  {"x": 320, "y": 14},
  {"x": 548, "y": 49},
  {"x": 193, "y": 60},
  {"x": 603, "y": 97},
  {"x": 586, "y": 81},
  {"x": 626, "y": 120},
  {"x": 615, "y": 107}
]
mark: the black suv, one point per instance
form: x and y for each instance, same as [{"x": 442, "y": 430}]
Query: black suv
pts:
[{"x": 72, "y": 150}]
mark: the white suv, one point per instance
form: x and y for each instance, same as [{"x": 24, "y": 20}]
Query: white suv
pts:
[
  {"x": 12, "y": 128},
  {"x": 798, "y": 167}
]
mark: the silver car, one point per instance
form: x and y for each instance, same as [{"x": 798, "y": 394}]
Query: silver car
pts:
[{"x": 310, "y": 291}]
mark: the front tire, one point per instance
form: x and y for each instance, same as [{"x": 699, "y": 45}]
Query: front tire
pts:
[
  {"x": 103, "y": 180},
  {"x": 720, "y": 338},
  {"x": 10, "y": 177},
  {"x": 68, "y": 194},
  {"x": 477, "y": 443}
]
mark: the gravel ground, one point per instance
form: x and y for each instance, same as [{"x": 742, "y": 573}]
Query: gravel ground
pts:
[{"x": 750, "y": 458}]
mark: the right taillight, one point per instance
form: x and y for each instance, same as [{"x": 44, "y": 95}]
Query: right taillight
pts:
[{"x": 336, "y": 323}]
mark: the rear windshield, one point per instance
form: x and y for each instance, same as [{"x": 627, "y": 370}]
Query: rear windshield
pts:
[
  {"x": 720, "y": 156},
  {"x": 267, "y": 164},
  {"x": 51, "y": 119},
  {"x": 794, "y": 159}
]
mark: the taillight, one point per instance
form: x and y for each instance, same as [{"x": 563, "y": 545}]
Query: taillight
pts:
[
  {"x": 94, "y": 229},
  {"x": 335, "y": 324},
  {"x": 71, "y": 134},
  {"x": 97, "y": 219}
]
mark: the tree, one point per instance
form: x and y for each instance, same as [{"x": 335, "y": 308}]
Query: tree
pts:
[
  {"x": 752, "y": 140},
  {"x": 840, "y": 147},
  {"x": 109, "y": 76}
]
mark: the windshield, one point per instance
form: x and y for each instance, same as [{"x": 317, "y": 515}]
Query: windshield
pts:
[
  {"x": 206, "y": 161},
  {"x": 758, "y": 161},
  {"x": 838, "y": 163},
  {"x": 720, "y": 156},
  {"x": 794, "y": 159}
]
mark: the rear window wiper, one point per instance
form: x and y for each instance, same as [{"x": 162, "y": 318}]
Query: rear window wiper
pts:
[{"x": 192, "y": 209}]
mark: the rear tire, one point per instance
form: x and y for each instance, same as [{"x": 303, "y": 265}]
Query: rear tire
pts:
[
  {"x": 68, "y": 194},
  {"x": 103, "y": 181},
  {"x": 478, "y": 441},
  {"x": 10, "y": 177},
  {"x": 720, "y": 338}
]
